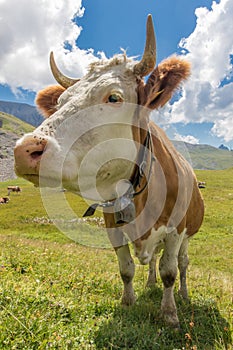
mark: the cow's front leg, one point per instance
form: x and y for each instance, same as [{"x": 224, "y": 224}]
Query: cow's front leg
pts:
[
  {"x": 168, "y": 271},
  {"x": 127, "y": 269},
  {"x": 125, "y": 261}
]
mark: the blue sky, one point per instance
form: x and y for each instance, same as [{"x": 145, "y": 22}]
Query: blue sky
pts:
[
  {"x": 200, "y": 29},
  {"x": 109, "y": 26}
]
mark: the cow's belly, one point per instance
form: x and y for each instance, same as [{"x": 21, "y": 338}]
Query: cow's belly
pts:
[{"x": 164, "y": 237}]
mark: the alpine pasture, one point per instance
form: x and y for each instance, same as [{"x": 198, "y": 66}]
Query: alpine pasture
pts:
[{"x": 58, "y": 294}]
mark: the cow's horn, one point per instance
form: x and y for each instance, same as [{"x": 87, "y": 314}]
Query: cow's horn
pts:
[
  {"x": 60, "y": 78},
  {"x": 148, "y": 61}
]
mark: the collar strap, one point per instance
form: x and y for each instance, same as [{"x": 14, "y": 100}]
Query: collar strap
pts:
[
  {"x": 141, "y": 168},
  {"x": 136, "y": 177}
]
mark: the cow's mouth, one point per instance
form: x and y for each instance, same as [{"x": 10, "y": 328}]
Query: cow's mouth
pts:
[{"x": 41, "y": 181}]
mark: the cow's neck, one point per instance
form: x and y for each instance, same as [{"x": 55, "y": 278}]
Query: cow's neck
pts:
[
  {"x": 142, "y": 137},
  {"x": 143, "y": 166},
  {"x": 140, "y": 177}
]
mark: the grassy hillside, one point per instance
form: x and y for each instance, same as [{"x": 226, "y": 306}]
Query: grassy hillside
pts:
[
  {"x": 55, "y": 294},
  {"x": 205, "y": 156},
  {"x": 23, "y": 111},
  {"x": 14, "y": 125}
]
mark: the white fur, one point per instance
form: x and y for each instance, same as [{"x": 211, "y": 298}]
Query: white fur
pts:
[
  {"x": 156, "y": 241},
  {"x": 91, "y": 139},
  {"x": 151, "y": 245}
]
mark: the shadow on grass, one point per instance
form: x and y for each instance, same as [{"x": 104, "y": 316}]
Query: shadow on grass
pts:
[{"x": 140, "y": 327}]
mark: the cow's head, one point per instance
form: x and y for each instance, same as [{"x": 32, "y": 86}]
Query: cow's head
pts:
[{"x": 89, "y": 140}]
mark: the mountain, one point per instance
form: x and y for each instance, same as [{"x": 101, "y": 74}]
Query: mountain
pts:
[
  {"x": 223, "y": 147},
  {"x": 23, "y": 111},
  {"x": 205, "y": 156},
  {"x": 11, "y": 129}
]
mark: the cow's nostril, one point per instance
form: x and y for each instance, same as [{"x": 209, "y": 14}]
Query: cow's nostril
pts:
[{"x": 36, "y": 154}]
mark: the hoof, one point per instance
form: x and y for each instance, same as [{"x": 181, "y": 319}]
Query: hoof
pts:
[
  {"x": 171, "y": 320},
  {"x": 128, "y": 300},
  {"x": 151, "y": 284}
]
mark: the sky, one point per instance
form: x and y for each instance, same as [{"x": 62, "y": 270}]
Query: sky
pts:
[{"x": 80, "y": 31}]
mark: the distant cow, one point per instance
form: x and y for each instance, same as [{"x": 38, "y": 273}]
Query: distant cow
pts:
[
  {"x": 4, "y": 200},
  {"x": 201, "y": 184},
  {"x": 13, "y": 189}
]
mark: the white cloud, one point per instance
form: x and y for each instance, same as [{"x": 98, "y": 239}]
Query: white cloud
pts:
[
  {"x": 208, "y": 48},
  {"x": 29, "y": 30},
  {"x": 188, "y": 138},
  {"x": 223, "y": 128}
]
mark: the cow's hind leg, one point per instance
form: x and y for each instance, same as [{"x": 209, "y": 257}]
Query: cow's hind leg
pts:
[
  {"x": 183, "y": 262},
  {"x": 168, "y": 271},
  {"x": 127, "y": 269},
  {"x": 152, "y": 272}
]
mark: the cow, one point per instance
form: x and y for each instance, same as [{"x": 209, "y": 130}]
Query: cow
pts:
[
  {"x": 16, "y": 189},
  {"x": 98, "y": 127},
  {"x": 4, "y": 200},
  {"x": 201, "y": 184}
]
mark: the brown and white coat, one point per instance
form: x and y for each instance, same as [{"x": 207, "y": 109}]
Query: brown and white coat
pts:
[{"x": 107, "y": 113}]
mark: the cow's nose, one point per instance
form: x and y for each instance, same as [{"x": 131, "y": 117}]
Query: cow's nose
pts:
[{"x": 28, "y": 152}]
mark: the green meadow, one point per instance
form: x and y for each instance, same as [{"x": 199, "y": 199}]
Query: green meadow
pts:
[{"x": 59, "y": 294}]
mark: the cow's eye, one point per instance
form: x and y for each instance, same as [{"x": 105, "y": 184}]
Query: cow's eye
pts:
[{"x": 114, "y": 98}]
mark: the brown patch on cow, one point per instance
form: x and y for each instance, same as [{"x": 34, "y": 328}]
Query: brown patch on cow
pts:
[
  {"x": 162, "y": 83},
  {"x": 47, "y": 98},
  {"x": 195, "y": 213}
]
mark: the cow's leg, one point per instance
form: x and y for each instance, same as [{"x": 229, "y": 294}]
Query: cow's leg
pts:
[
  {"x": 183, "y": 262},
  {"x": 127, "y": 269},
  {"x": 152, "y": 272},
  {"x": 168, "y": 271},
  {"x": 126, "y": 264}
]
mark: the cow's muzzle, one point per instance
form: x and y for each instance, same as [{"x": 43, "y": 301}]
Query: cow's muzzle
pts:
[{"x": 28, "y": 152}]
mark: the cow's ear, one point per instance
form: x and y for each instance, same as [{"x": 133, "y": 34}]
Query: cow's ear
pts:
[
  {"x": 163, "y": 81},
  {"x": 46, "y": 99}
]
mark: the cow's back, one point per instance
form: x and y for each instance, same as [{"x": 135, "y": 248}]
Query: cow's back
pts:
[{"x": 181, "y": 182}]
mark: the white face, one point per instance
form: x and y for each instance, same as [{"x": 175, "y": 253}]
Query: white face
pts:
[{"x": 90, "y": 144}]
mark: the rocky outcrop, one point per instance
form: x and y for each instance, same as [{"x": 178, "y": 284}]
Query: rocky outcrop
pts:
[{"x": 7, "y": 143}]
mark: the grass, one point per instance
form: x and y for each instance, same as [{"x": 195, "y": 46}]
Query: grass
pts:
[
  {"x": 56, "y": 294},
  {"x": 13, "y": 124},
  {"x": 205, "y": 156}
]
